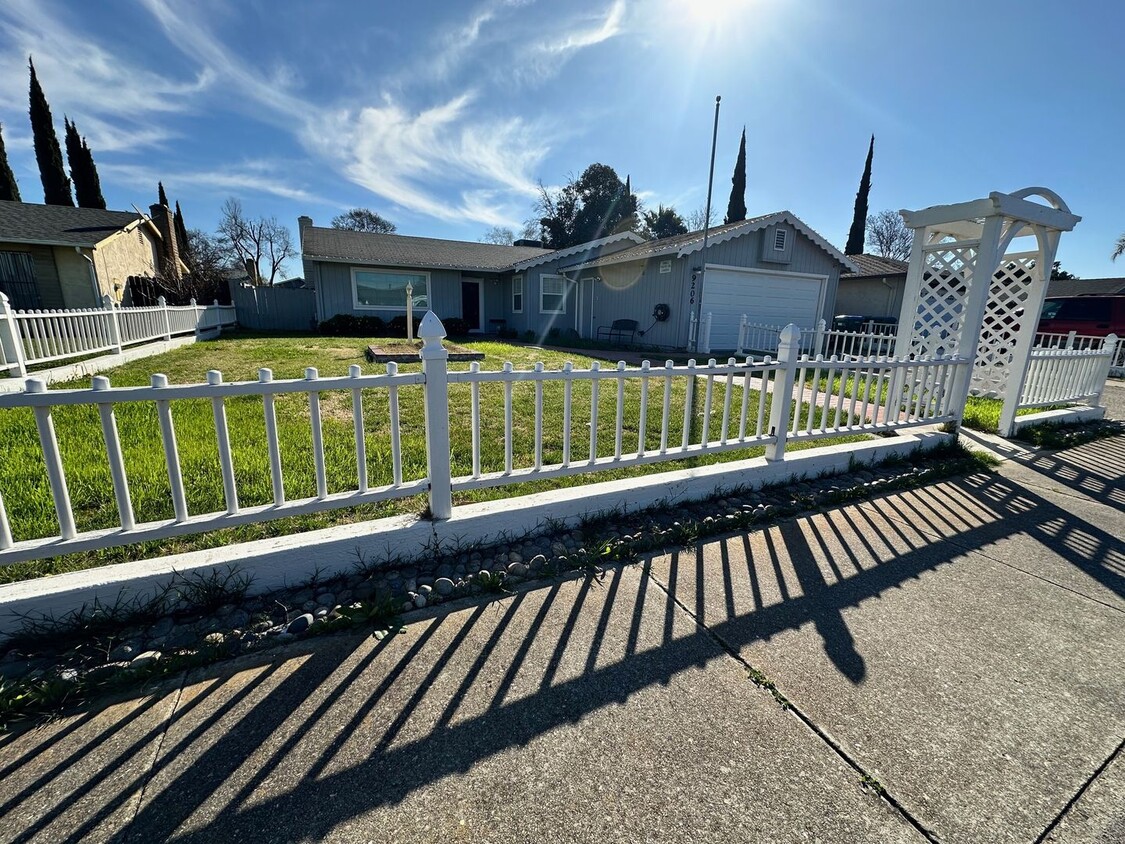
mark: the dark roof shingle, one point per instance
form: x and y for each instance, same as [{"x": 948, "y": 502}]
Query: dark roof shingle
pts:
[
  {"x": 26, "y": 222},
  {"x": 1086, "y": 287},
  {"x": 398, "y": 250}
]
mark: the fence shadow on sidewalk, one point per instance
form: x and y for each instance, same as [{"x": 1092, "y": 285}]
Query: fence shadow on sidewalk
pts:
[{"x": 350, "y": 727}]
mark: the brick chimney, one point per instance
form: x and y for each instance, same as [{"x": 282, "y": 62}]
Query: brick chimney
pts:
[{"x": 169, "y": 247}]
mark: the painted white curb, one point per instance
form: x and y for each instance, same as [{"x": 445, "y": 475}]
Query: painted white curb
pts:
[{"x": 288, "y": 560}]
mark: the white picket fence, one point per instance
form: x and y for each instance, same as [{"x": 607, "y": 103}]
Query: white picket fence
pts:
[
  {"x": 29, "y": 338},
  {"x": 1068, "y": 369},
  {"x": 877, "y": 339},
  {"x": 743, "y": 404}
]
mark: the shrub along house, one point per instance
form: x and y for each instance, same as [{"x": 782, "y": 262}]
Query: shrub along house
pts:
[{"x": 773, "y": 268}]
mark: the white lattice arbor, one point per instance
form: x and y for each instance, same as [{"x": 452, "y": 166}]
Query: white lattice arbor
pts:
[{"x": 946, "y": 310}]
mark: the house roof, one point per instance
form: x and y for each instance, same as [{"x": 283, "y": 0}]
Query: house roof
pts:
[
  {"x": 685, "y": 244},
  {"x": 873, "y": 265},
  {"x": 1086, "y": 287},
  {"x": 396, "y": 250},
  {"x": 60, "y": 225},
  {"x": 579, "y": 249}
]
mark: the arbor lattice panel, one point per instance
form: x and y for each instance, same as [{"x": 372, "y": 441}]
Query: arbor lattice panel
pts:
[
  {"x": 1004, "y": 328},
  {"x": 939, "y": 316}
]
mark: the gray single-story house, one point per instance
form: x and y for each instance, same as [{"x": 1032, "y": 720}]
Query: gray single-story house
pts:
[
  {"x": 773, "y": 268},
  {"x": 875, "y": 290}
]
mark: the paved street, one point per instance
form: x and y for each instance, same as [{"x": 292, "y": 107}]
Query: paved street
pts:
[{"x": 960, "y": 644}]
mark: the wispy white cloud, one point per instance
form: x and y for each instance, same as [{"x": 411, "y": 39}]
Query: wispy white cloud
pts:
[
  {"x": 110, "y": 98},
  {"x": 256, "y": 177},
  {"x": 587, "y": 36}
]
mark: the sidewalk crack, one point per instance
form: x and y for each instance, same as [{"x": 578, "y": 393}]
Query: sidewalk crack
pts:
[
  {"x": 1078, "y": 794},
  {"x": 762, "y": 681},
  {"x": 126, "y": 830}
]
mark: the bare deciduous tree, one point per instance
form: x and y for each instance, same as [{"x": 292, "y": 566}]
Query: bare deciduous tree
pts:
[
  {"x": 888, "y": 236},
  {"x": 259, "y": 243},
  {"x": 696, "y": 219},
  {"x": 1118, "y": 248},
  {"x": 499, "y": 235}
]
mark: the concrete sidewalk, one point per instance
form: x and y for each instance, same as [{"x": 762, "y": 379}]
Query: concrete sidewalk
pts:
[{"x": 961, "y": 644}]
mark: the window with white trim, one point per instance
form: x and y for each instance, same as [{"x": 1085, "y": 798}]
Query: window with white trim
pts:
[
  {"x": 780, "y": 238},
  {"x": 552, "y": 294},
  {"x": 385, "y": 290},
  {"x": 517, "y": 294}
]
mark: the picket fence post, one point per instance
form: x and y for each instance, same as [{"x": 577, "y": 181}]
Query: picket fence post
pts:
[
  {"x": 741, "y": 335},
  {"x": 167, "y": 321},
  {"x": 705, "y": 342},
  {"x": 1110, "y": 349},
  {"x": 692, "y": 326},
  {"x": 818, "y": 339},
  {"x": 195, "y": 316},
  {"x": 435, "y": 366},
  {"x": 114, "y": 322},
  {"x": 10, "y": 342},
  {"x": 788, "y": 346}
]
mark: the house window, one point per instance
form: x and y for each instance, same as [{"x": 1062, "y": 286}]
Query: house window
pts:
[
  {"x": 17, "y": 281},
  {"x": 385, "y": 290},
  {"x": 517, "y": 294},
  {"x": 552, "y": 294},
  {"x": 780, "y": 236}
]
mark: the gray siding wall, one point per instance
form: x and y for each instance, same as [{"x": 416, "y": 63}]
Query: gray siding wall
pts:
[
  {"x": 632, "y": 291},
  {"x": 871, "y": 296},
  {"x": 334, "y": 291}
]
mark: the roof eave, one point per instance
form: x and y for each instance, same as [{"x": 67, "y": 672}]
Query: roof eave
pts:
[{"x": 414, "y": 265}]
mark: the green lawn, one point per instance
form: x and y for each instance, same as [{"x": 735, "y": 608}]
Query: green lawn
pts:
[{"x": 27, "y": 497}]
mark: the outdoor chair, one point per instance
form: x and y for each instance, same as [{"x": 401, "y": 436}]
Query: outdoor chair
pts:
[{"x": 621, "y": 331}]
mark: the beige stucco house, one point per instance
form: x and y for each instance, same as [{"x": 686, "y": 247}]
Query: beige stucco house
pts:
[{"x": 55, "y": 256}]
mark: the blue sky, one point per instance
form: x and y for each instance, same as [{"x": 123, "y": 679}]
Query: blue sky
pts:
[{"x": 443, "y": 116}]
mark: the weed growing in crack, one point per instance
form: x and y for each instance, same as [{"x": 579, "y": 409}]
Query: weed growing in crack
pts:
[{"x": 866, "y": 781}]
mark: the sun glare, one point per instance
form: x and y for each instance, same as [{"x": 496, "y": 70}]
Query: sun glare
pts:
[{"x": 713, "y": 13}]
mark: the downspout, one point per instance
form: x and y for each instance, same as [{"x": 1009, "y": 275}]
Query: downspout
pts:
[{"x": 93, "y": 277}]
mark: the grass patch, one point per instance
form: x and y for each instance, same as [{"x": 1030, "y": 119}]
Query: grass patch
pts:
[{"x": 26, "y": 494}]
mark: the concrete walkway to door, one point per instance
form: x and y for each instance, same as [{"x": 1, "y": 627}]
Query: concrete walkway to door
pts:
[{"x": 949, "y": 660}]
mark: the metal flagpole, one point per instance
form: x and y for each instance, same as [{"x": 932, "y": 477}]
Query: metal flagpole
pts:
[{"x": 706, "y": 230}]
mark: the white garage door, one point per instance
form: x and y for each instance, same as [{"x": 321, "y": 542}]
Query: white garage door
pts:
[{"x": 765, "y": 299}]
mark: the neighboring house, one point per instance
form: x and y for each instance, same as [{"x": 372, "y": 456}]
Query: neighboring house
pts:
[
  {"x": 1086, "y": 287},
  {"x": 56, "y": 256},
  {"x": 875, "y": 291},
  {"x": 773, "y": 268}
]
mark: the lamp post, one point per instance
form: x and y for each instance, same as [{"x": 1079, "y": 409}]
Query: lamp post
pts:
[{"x": 409, "y": 311}]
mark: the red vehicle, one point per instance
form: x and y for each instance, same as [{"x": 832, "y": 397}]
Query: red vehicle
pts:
[{"x": 1094, "y": 316}]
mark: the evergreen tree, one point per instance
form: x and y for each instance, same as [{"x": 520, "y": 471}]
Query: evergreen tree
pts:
[
  {"x": 736, "y": 208},
  {"x": 56, "y": 186},
  {"x": 181, "y": 231},
  {"x": 9, "y": 190},
  {"x": 87, "y": 186},
  {"x": 859, "y": 217},
  {"x": 94, "y": 183},
  {"x": 163, "y": 197}
]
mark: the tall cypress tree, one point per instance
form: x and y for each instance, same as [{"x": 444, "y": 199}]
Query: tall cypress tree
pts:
[
  {"x": 181, "y": 232},
  {"x": 95, "y": 183},
  {"x": 859, "y": 217},
  {"x": 163, "y": 197},
  {"x": 8, "y": 188},
  {"x": 736, "y": 207},
  {"x": 56, "y": 186}
]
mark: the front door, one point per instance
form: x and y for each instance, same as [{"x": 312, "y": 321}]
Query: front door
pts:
[{"x": 470, "y": 303}]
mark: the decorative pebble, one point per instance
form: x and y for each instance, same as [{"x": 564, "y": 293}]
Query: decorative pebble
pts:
[
  {"x": 214, "y": 640},
  {"x": 299, "y": 625},
  {"x": 419, "y": 601},
  {"x": 517, "y": 569},
  {"x": 143, "y": 660},
  {"x": 326, "y": 599},
  {"x": 444, "y": 586}
]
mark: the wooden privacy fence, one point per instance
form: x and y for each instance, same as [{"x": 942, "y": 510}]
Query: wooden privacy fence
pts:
[
  {"x": 274, "y": 308},
  {"x": 678, "y": 412},
  {"x": 28, "y": 338}
]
